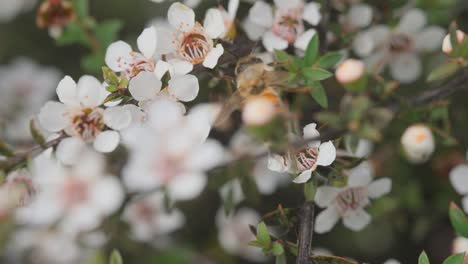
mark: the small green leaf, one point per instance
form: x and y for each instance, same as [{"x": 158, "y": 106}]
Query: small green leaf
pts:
[
  {"x": 312, "y": 74},
  {"x": 115, "y": 257},
  {"x": 282, "y": 56},
  {"x": 73, "y": 34},
  {"x": 277, "y": 249},
  {"x": 36, "y": 133},
  {"x": 81, "y": 8},
  {"x": 256, "y": 243},
  {"x": 455, "y": 259},
  {"x": 107, "y": 31},
  {"x": 262, "y": 234},
  {"x": 459, "y": 220},
  {"x": 443, "y": 71},
  {"x": 423, "y": 259},
  {"x": 329, "y": 60},
  {"x": 111, "y": 88},
  {"x": 319, "y": 95},
  {"x": 312, "y": 51},
  {"x": 281, "y": 259}
]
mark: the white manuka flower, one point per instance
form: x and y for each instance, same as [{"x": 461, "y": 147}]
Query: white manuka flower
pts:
[
  {"x": 459, "y": 180},
  {"x": 193, "y": 43},
  {"x": 24, "y": 87},
  {"x": 171, "y": 151},
  {"x": 149, "y": 219},
  {"x": 305, "y": 161},
  {"x": 399, "y": 47},
  {"x": 78, "y": 198},
  {"x": 9, "y": 9},
  {"x": 229, "y": 17},
  {"x": 234, "y": 233},
  {"x": 282, "y": 25},
  {"x": 121, "y": 58},
  {"x": 348, "y": 202},
  {"x": 358, "y": 16},
  {"x": 79, "y": 114}
]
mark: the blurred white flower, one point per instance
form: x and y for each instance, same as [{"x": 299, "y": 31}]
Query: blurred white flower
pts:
[
  {"x": 418, "y": 143},
  {"x": 282, "y": 25},
  {"x": 24, "y": 87},
  {"x": 447, "y": 44},
  {"x": 190, "y": 3},
  {"x": 17, "y": 190},
  {"x": 348, "y": 202},
  {"x": 392, "y": 261},
  {"x": 79, "y": 114},
  {"x": 358, "y": 16},
  {"x": 459, "y": 179},
  {"x": 172, "y": 151},
  {"x": 305, "y": 161},
  {"x": 234, "y": 233},
  {"x": 9, "y": 9},
  {"x": 399, "y": 47},
  {"x": 78, "y": 198},
  {"x": 149, "y": 219},
  {"x": 190, "y": 42}
]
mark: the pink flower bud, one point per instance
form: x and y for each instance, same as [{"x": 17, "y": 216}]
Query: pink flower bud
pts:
[
  {"x": 447, "y": 44},
  {"x": 418, "y": 143},
  {"x": 259, "y": 111},
  {"x": 349, "y": 71}
]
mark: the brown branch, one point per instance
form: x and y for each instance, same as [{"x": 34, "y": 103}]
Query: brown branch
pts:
[{"x": 306, "y": 232}]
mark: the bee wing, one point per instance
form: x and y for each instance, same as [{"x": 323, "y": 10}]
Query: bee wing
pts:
[
  {"x": 232, "y": 104},
  {"x": 276, "y": 78}
]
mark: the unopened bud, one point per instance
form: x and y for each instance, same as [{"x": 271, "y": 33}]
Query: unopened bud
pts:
[
  {"x": 349, "y": 71},
  {"x": 259, "y": 111},
  {"x": 418, "y": 143},
  {"x": 55, "y": 13},
  {"x": 447, "y": 44}
]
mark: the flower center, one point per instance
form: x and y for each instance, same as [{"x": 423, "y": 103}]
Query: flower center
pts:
[
  {"x": 138, "y": 63},
  {"x": 194, "y": 47},
  {"x": 288, "y": 25},
  {"x": 75, "y": 191},
  {"x": 352, "y": 199},
  {"x": 145, "y": 212},
  {"x": 306, "y": 159},
  {"x": 400, "y": 43},
  {"x": 88, "y": 123}
]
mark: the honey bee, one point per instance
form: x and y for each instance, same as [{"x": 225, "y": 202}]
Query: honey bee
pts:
[{"x": 254, "y": 78}]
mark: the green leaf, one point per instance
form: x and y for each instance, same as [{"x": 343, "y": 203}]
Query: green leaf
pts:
[
  {"x": 73, "y": 34},
  {"x": 312, "y": 51},
  {"x": 36, "y": 133},
  {"x": 443, "y": 71},
  {"x": 262, "y": 234},
  {"x": 115, "y": 257},
  {"x": 107, "y": 31},
  {"x": 81, "y": 8},
  {"x": 256, "y": 243},
  {"x": 5, "y": 149},
  {"x": 281, "y": 259},
  {"x": 455, "y": 259},
  {"x": 423, "y": 259},
  {"x": 319, "y": 95},
  {"x": 329, "y": 60},
  {"x": 109, "y": 76},
  {"x": 277, "y": 249},
  {"x": 312, "y": 74},
  {"x": 459, "y": 220},
  {"x": 288, "y": 60}
]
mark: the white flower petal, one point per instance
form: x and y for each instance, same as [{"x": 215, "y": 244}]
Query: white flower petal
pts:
[
  {"x": 465, "y": 204},
  {"x": 106, "y": 141},
  {"x": 287, "y": 4},
  {"x": 179, "y": 67},
  {"x": 360, "y": 175},
  {"x": 429, "y": 39},
  {"x": 406, "y": 68},
  {"x": 118, "y": 53},
  {"x": 164, "y": 113},
  {"x": 181, "y": 16},
  {"x": 117, "y": 117},
  {"x": 233, "y": 6},
  {"x": 261, "y": 14},
  {"x": 213, "y": 56},
  {"x": 326, "y": 220},
  {"x": 380, "y": 187},
  {"x": 214, "y": 23},
  {"x": 356, "y": 220},
  {"x": 325, "y": 195},
  {"x": 185, "y": 88},
  {"x": 206, "y": 111},
  {"x": 303, "y": 40},
  {"x": 310, "y": 131},
  {"x": 90, "y": 91},
  {"x": 412, "y": 21},
  {"x": 459, "y": 178},
  {"x": 253, "y": 31},
  {"x": 165, "y": 38},
  {"x": 327, "y": 154},
  {"x": 303, "y": 177},
  {"x": 66, "y": 91},
  {"x": 363, "y": 44},
  {"x": 276, "y": 163},
  {"x": 359, "y": 16},
  {"x": 206, "y": 156},
  {"x": 144, "y": 86},
  {"x": 147, "y": 42},
  {"x": 273, "y": 42},
  {"x": 312, "y": 14},
  {"x": 70, "y": 150},
  {"x": 107, "y": 195},
  {"x": 52, "y": 116},
  {"x": 187, "y": 186}
]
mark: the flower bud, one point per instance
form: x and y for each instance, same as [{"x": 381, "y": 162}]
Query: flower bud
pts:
[
  {"x": 350, "y": 71},
  {"x": 55, "y": 13},
  {"x": 447, "y": 44},
  {"x": 418, "y": 143},
  {"x": 259, "y": 111}
]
